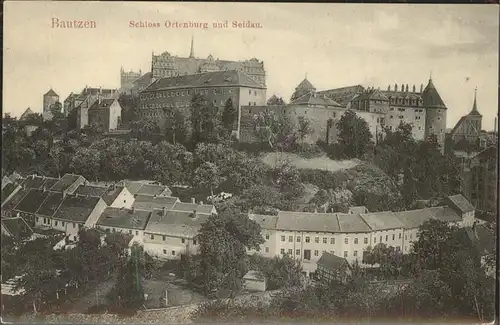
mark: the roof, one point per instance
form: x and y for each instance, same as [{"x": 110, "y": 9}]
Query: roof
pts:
[
  {"x": 474, "y": 110},
  {"x": 17, "y": 227},
  {"x": 306, "y": 85},
  {"x": 148, "y": 202},
  {"x": 209, "y": 79},
  {"x": 332, "y": 261},
  {"x": 113, "y": 192},
  {"x": 124, "y": 218},
  {"x": 76, "y": 208},
  {"x": 176, "y": 223},
  {"x": 382, "y": 220},
  {"x": 349, "y": 223},
  {"x": 104, "y": 103},
  {"x": 254, "y": 275},
  {"x": 38, "y": 182},
  {"x": 91, "y": 190},
  {"x": 307, "y": 221},
  {"x": 7, "y": 190},
  {"x": 373, "y": 94},
  {"x": 5, "y": 181},
  {"x": 265, "y": 222},
  {"x": 152, "y": 189},
  {"x": 358, "y": 209},
  {"x": 431, "y": 97},
  {"x": 26, "y": 114},
  {"x": 190, "y": 207},
  {"x": 32, "y": 201},
  {"x": 343, "y": 95},
  {"x": 312, "y": 98},
  {"x": 413, "y": 218},
  {"x": 460, "y": 202},
  {"x": 486, "y": 239},
  {"x": 51, "y": 92},
  {"x": 65, "y": 182},
  {"x": 14, "y": 200},
  {"x": 50, "y": 205},
  {"x": 444, "y": 213}
]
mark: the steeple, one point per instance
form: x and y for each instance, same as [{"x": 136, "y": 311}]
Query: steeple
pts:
[
  {"x": 191, "y": 54},
  {"x": 474, "y": 105}
]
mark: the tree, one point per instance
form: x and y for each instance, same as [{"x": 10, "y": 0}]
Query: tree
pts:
[
  {"x": 224, "y": 239},
  {"x": 279, "y": 271},
  {"x": 304, "y": 128},
  {"x": 144, "y": 129},
  {"x": 56, "y": 110},
  {"x": 229, "y": 116},
  {"x": 354, "y": 134},
  {"x": 207, "y": 176},
  {"x": 177, "y": 126},
  {"x": 205, "y": 121},
  {"x": 277, "y": 129}
]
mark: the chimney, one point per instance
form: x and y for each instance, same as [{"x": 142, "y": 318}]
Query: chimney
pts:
[
  {"x": 406, "y": 87},
  {"x": 395, "y": 87},
  {"x": 421, "y": 88},
  {"x": 389, "y": 88},
  {"x": 413, "y": 88},
  {"x": 193, "y": 200}
]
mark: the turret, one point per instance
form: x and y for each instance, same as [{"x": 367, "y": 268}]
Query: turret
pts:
[{"x": 435, "y": 117}]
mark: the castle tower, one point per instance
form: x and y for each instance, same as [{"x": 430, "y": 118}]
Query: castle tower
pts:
[
  {"x": 435, "y": 115},
  {"x": 191, "y": 54},
  {"x": 303, "y": 88}
]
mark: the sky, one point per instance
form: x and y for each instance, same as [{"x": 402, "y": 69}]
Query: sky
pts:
[{"x": 335, "y": 45}]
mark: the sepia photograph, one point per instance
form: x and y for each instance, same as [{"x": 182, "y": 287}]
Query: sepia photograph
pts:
[{"x": 204, "y": 162}]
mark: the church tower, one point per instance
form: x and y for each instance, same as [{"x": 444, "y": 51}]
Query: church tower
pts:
[{"x": 435, "y": 115}]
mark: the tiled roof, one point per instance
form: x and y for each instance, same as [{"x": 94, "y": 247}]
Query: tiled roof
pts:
[
  {"x": 33, "y": 181},
  {"x": 373, "y": 94},
  {"x": 431, "y": 97},
  {"x": 177, "y": 223},
  {"x": 76, "y": 208},
  {"x": 112, "y": 194},
  {"x": 104, "y": 103},
  {"x": 315, "y": 99},
  {"x": 190, "y": 207},
  {"x": 332, "y": 261},
  {"x": 307, "y": 221},
  {"x": 145, "y": 78},
  {"x": 91, "y": 190},
  {"x": 14, "y": 200},
  {"x": 265, "y": 222},
  {"x": 151, "y": 189},
  {"x": 208, "y": 79},
  {"x": 32, "y": 201},
  {"x": 460, "y": 202},
  {"x": 65, "y": 182},
  {"x": 51, "y": 92},
  {"x": 382, "y": 220},
  {"x": 254, "y": 275},
  {"x": 444, "y": 213},
  {"x": 50, "y": 205},
  {"x": 7, "y": 190},
  {"x": 413, "y": 218},
  {"x": 17, "y": 227},
  {"x": 124, "y": 218},
  {"x": 132, "y": 186},
  {"x": 49, "y": 182},
  {"x": 148, "y": 202},
  {"x": 352, "y": 223},
  {"x": 343, "y": 95},
  {"x": 305, "y": 85}
]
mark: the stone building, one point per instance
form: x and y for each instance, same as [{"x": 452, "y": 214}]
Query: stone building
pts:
[
  {"x": 106, "y": 113},
  {"x": 217, "y": 87},
  {"x": 166, "y": 65},
  {"x": 86, "y": 99},
  {"x": 49, "y": 100},
  {"x": 69, "y": 103},
  {"x": 469, "y": 126}
]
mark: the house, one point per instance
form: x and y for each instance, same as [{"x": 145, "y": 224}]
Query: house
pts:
[
  {"x": 17, "y": 228},
  {"x": 172, "y": 234},
  {"x": 105, "y": 113},
  {"x": 205, "y": 209},
  {"x": 91, "y": 190},
  {"x": 38, "y": 182},
  {"x": 76, "y": 212},
  {"x": 255, "y": 281},
  {"x": 146, "y": 188},
  {"x": 9, "y": 205},
  {"x": 148, "y": 202},
  {"x": 466, "y": 210},
  {"x": 67, "y": 184},
  {"x": 127, "y": 221},
  {"x": 45, "y": 213},
  {"x": 118, "y": 197},
  {"x": 333, "y": 268},
  {"x": 29, "y": 204}
]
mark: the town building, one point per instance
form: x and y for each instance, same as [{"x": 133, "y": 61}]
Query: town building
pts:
[
  {"x": 333, "y": 268},
  {"x": 69, "y": 103},
  {"x": 150, "y": 203},
  {"x": 127, "y": 221},
  {"x": 146, "y": 188},
  {"x": 86, "y": 99},
  {"x": 28, "y": 113},
  {"x": 163, "y": 96},
  {"x": 50, "y": 99},
  {"x": 106, "y": 114}
]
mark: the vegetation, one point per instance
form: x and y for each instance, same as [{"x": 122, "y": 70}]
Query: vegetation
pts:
[{"x": 354, "y": 135}]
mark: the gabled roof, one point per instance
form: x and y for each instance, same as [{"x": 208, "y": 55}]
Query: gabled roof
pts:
[
  {"x": 352, "y": 223},
  {"x": 413, "y": 218},
  {"x": 14, "y": 200},
  {"x": 343, "y": 95},
  {"x": 51, "y": 204},
  {"x": 66, "y": 182},
  {"x": 265, "y": 222},
  {"x": 32, "y": 201},
  {"x": 307, "y": 221},
  {"x": 176, "y": 223},
  {"x": 444, "y": 213},
  {"x": 91, "y": 190},
  {"x": 460, "y": 203},
  {"x": 431, "y": 97},
  {"x": 305, "y": 85},
  {"x": 209, "y": 79},
  {"x": 145, "y": 188},
  {"x": 373, "y": 94},
  {"x": 190, "y": 207},
  {"x": 76, "y": 208},
  {"x": 51, "y": 92},
  {"x": 148, "y": 202},
  {"x": 26, "y": 114},
  {"x": 113, "y": 192},
  {"x": 38, "y": 182},
  {"x": 124, "y": 218},
  {"x": 382, "y": 220},
  {"x": 332, "y": 261},
  {"x": 5, "y": 181},
  {"x": 7, "y": 190},
  {"x": 104, "y": 103},
  {"x": 312, "y": 98}
]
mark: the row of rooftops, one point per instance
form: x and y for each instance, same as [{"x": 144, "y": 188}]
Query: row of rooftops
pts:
[{"x": 456, "y": 206}]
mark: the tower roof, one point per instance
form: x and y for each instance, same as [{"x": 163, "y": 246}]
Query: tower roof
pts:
[
  {"x": 431, "y": 96},
  {"x": 26, "y": 113},
  {"x": 305, "y": 85},
  {"x": 51, "y": 92},
  {"x": 474, "y": 106}
]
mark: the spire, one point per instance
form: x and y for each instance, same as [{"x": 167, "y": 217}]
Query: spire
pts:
[
  {"x": 474, "y": 105},
  {"x": 191, "y": 54}
]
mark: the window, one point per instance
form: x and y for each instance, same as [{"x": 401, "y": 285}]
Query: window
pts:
[
  {"x": 249, "y": 91},
  {"x": 249, "y": 103},
  {"x": 164, "y": 238},
  {"x": 406, "y": 237},
  {"x": 173, "y": 253},
  {"x": 282, "y": 238},
  {"x": 266, "y": 249},
  {"x": 345, "y": 253},
  {"x": 194, "y": 241},
  {"x": 290, "y": 252},
  {"x": 282, "y": 251},
  {"x": 386, "y": 238},
  {"x": 255, "y": 92},
  {"x": 332, "y": 241},
  {"x": 37, "y": 219},
  {"x": 393, "y": 236},
  {"x": 183, "y": 240},
  {"x": 298, "y": 239},
  {"x": 297, "y": 252},
  {"x": 355, "y": 253},
  {"x": 114, "y": 229},
  {"x": 137, "y": 232},
  {"x": 399, "y": 235},
  {"x": 308, "y": 239},
  {"x": 374, "y": 239},
  {"x": 410, "y": 236},
  {"x": 316, "y": 240},
  {"x": 62, "y": 223},
  {"x": 346, "y": 240},
  {"x": 355, "y": 240},
  {"x": 55, "y": 224},
  {"x": 267, "y": 236},
  {"x": 316, "y": 252},
  {"x": 290, "y": 239},
  {"x": 152, "y": 236},
  {"x": 74, "y": 226},
  {"x": 130, "y": 232},
  {"x": 366, "y": 240}
]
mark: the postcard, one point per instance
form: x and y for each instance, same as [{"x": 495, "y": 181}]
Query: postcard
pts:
[{"x": 249, "y": 162}]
